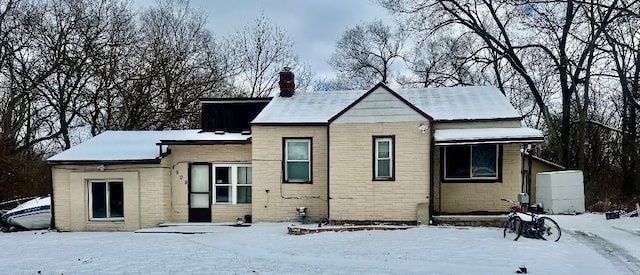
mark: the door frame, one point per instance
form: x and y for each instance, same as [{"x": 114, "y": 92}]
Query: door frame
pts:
[{"x": 199, "y": 214}]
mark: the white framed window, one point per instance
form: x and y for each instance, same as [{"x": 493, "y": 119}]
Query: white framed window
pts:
[
  {"x": 472, "y": 162},
  {"x": 106, "y": 200},
  {"x": 383, "y": 157},
  {"x": 222, "y": 184},
  {"x": 232, "y": 183},
  {"x": 297, "y": 160}
]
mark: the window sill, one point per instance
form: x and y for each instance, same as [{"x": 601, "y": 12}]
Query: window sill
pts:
[
  {"x": 106, "y": 220},
  {"x": 384, "y": 179},
  {"x": 472, "y": 181},
  {"x": 297, "y": 182}
]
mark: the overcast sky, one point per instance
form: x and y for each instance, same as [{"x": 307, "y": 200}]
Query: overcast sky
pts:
[{"x": 314, "y": 25}]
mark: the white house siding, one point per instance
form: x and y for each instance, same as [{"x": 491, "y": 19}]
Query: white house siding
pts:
[
  {"x": 179, "y": 160},
  {"x": 379, "y": 106},
  {"x": 281, "y": 200},
  {"x": 145, "y": 196},
  {"x": 354, "y": 195}
]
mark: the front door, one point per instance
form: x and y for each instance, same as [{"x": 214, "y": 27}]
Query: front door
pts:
[{"x": 200, "y": 192}]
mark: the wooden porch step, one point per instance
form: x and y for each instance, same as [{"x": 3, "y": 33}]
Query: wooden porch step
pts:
[{"x": 471, "y": 220}]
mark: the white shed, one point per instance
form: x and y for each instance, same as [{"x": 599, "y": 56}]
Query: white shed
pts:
[{"x": 560, "y": 191}]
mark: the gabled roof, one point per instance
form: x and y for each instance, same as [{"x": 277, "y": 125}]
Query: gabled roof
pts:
[
  {"x": 138, "y": 146},
  {"x": 441, "y": 104},
  {"x": 382, "y": 86}
]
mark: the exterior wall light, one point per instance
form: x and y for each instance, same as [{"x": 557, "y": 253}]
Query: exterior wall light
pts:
[{"x": 422, "y": 128}]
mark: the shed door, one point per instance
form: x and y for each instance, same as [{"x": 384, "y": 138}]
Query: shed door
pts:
[{"x": 200, "y": 193}]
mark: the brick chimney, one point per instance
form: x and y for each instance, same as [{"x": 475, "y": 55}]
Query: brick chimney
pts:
[{"x": 287, "y": 84}]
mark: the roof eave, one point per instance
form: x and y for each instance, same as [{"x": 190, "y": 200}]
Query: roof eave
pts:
[
  {"x": 289, "y": 123},
  {"x": 203, "y": 142},
  {"x": 478, "y": 120},
  {"x": 490, "y": 140},
  {"x": 234, "y": 99},
  {"x": 548, "y": 162},
  {"x": 104, "y": 162}
]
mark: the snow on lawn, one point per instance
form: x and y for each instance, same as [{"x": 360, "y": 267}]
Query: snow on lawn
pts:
[{"x": 266, "y": 248}]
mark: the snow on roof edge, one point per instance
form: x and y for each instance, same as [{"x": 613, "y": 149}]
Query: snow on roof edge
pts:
[
  {"x": 137, "y": 146},
  {"x": 483, "y": 135}
]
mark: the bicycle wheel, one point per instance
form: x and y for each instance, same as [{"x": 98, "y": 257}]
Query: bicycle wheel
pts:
[
  {"x": 512, "y": 228},
  {"x": 549, "y": 229}
]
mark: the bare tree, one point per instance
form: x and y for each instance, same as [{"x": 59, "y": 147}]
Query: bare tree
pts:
[
  {"x": 556, "y": 36},
  {"x": 262, "y": 50},
  {"x": 112, "y": 53},
  {"x": 364, "y": 54},
  {"x": 176, "y": 66},
  {"x": 22, "y": 172},
  {"x": 444, "y": 60},
  {"x": 15, "y": 90},
  {"x": 623, "y": 45},
  {"x": 66, "y": 35}
]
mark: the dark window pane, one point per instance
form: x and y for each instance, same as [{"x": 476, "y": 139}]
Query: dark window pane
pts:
[
  {"x": 244, "y": 194},
  {"x": 298, "y": 171},
  {"x": 222, "y": 194},
  {"x": 484, "y": 161},
  {"x": 116, "y": 200},
  {"x": 222, "y": 175},
  {"x": 458, "y": 162},
  {"x": 384, "y": 168},
  {"x": 99, "y": 199}
]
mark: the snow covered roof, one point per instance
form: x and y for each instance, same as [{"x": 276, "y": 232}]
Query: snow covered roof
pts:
[
  {"x": 461, "y": 103},
  {"x": 484, "y": 135},
  {"x": 442, "y": 104},
  {"x": 137, "y": 145},
  {"x": 307, "y": 107}
]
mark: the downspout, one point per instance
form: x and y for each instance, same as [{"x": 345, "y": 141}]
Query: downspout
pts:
[
  {"x": 328, "y": 175},
  {"x": 53, "y": 213},
  {"x": 530, "y": 171},
  {"x": 522, "y": 155},
  {"x": 431, "y": 169}
]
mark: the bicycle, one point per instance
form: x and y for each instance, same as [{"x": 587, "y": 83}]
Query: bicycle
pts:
[{"x": 533, "y": 227}]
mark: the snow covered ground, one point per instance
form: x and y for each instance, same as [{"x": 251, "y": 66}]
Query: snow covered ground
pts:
[{"x": 589, "y": 245}]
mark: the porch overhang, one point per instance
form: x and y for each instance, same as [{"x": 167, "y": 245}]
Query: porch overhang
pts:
[{"x": 444, "y": 137}]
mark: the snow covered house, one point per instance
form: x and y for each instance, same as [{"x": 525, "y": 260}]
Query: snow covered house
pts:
[{"x": 377, "y": 155}]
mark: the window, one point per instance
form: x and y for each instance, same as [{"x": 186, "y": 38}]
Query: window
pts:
[
  {"x": 465, "y": 162},
  {"x": 244, "y": 185},
  {"x": 106, "y": 200},
  {"x": 383, "y": 158},
  {"x": 297, "y": 164},
  {"x": 223, "y": 184},
  {"x": 232, "y": 184}
]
